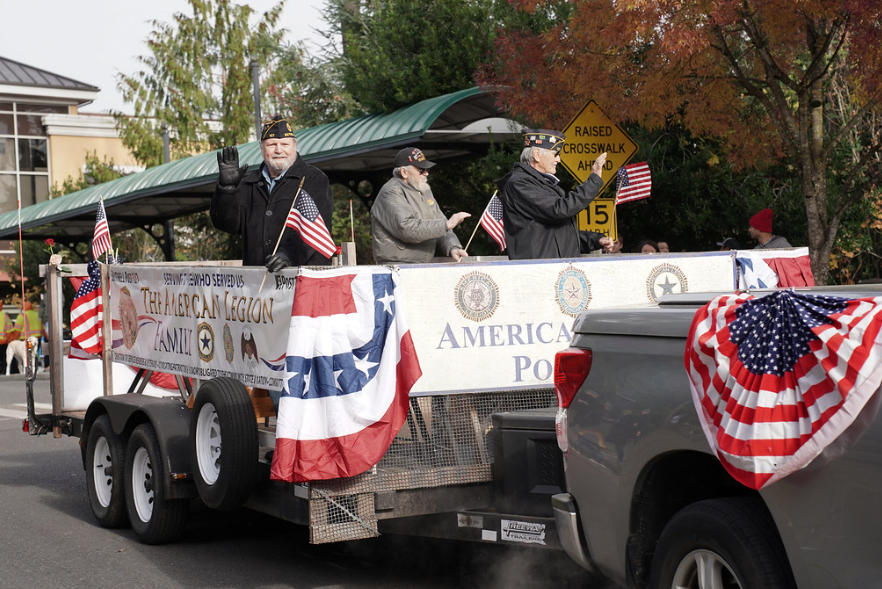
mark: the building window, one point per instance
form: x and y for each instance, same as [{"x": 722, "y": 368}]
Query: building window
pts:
[{"x": 24, "y": 154}]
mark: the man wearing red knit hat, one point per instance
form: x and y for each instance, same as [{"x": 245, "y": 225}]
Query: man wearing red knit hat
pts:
[{"x": 761, "y": 230}]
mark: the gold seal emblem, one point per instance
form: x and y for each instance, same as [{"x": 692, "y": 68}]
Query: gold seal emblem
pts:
[
  {"x": 229, "y": 346},
  {"x": 128, "y": 318}
]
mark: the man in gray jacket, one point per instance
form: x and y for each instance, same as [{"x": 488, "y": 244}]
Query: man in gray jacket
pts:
[{"x": 407, "y": 224}]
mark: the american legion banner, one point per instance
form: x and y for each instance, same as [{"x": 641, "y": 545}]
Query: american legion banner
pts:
[
  {"x": 486, "y": 326},
  {"x": 204, "y": 322}
]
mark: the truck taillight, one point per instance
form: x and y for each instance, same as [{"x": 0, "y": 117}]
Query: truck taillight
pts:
[{"x": 571, "y": 368}]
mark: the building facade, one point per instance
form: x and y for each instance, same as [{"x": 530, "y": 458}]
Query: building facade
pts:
[{"x": 44, "y": 139}]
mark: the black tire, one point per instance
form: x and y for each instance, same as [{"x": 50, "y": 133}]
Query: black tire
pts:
[
  {"x": 154, "y": 519},
  {"x": 733, "y": 537},
  {"x": 105, "y": 474},
  {"x": 223, "y": 443}
]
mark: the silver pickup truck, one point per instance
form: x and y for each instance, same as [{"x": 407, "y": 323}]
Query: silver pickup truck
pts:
[{"x": 649, "y": 504}]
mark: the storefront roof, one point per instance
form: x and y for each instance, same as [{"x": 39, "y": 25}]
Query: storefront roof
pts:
[{"x": 452, "y": 127}]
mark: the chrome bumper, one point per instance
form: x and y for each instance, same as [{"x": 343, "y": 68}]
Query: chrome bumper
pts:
[{"x": 566, "y": 519}]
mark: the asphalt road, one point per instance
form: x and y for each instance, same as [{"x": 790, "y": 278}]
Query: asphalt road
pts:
[{"x": 48, "y": 536}]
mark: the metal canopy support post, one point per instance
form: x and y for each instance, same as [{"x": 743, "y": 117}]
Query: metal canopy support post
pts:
[
  {"x": 168, "y": 241},
  {"x": 255, "y": 83}
]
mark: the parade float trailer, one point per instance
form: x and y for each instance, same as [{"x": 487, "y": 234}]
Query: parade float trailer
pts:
[{"x": 355, "y": 400}]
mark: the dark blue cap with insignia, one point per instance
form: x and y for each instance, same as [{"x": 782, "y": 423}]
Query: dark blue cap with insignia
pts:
[
  {"x": 276, "y": 128},
  {"x": 544, "y": 138}
]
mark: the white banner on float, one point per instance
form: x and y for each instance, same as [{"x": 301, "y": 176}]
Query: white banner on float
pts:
[
  {"x": 204, "y": 322},
  {"x": 497, "y": 325}
]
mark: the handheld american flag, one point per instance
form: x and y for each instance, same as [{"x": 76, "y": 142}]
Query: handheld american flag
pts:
[
  {"x": 306, "y": 220},
  {"x": 101, "y": 239},
  {"x": 633, "y": 182},
  {"x": 491, "y": 221},
  {"x": 776, "y": 379},
  {"x": 86, "y": 312}
]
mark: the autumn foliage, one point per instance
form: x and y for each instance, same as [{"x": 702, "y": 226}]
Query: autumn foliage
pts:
[{"x": 755, "y": 74}]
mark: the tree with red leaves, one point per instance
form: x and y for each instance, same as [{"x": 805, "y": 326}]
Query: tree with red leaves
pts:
[{"x": 769, "y": 79}]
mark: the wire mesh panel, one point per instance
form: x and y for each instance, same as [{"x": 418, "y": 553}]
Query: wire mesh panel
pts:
[{"x": 445, "y": 441}]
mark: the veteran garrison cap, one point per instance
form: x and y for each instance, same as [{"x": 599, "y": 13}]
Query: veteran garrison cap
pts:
[
  {"x": 544, "y": 138},
  {"x": 276, "y": 128}
]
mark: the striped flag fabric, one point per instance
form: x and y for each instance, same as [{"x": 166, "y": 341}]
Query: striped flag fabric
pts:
[
  {"x": 101, "y": 239},
  {"x": 306, "y": 220},
  {"x": 775, "y": 379},
  {"x": 491, "y": 221},
  {"x": 86, "y": 312},
  {"x": 773, "y": 268},
  {"x": 633, "y": 182},
  {"x": 350, "y": 366}
]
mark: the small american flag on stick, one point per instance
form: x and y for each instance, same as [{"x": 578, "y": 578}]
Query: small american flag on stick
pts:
[
  {"x": 633, "y": 182},
  {"x": 491, "y": 221},
  {"x": 101, "y": 239},
  {"x": 306, "y": 220}
]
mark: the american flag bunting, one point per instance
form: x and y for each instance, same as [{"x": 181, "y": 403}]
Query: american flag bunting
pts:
[
  {"x": 86, "y": 312},
  {"x": 350, "y": 365},
  {"x": 776, "y": 379}
]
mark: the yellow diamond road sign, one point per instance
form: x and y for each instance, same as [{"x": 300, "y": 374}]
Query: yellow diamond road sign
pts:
[{"x": 589, "y": 134}]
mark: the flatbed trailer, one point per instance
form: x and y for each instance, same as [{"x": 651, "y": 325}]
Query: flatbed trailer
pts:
[{"x": 477, "y": 457}]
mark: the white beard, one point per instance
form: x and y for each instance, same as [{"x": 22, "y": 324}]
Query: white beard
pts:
[{"x": 418, "y": 184}]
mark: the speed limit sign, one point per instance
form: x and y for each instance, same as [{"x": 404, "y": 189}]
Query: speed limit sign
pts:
[{"x": 600, "y": 217}]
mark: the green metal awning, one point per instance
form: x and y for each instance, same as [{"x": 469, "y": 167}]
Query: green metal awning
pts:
[{"x": 452, "y": 127}]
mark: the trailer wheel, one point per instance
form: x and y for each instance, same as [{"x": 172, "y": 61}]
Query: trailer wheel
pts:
[
  {"x": 223, "y": 443},
  {"x": 721, "y": 544},
  {"x": 105, "y": 474},
  {"x": 155, "y": 519}
]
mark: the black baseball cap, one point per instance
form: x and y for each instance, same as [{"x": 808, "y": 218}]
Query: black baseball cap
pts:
[
  {"x": 730, "y": 242},
  {"x": 412, "y": 156}
]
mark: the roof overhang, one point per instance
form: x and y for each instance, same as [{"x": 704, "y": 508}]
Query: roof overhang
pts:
[{"x": 447, "y": 128}]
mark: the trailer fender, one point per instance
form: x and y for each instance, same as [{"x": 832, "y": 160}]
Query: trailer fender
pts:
[{"x": 170, "y": 419}]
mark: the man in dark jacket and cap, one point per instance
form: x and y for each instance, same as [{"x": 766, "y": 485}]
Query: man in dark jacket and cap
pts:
[
  {"x": 256, "y": 205},
  {"x": 539, "y": 217}
]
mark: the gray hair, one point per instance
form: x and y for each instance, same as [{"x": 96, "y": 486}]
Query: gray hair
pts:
[
  {"x": 527, "y": 155},
  {"x": 398, "y": 172}
]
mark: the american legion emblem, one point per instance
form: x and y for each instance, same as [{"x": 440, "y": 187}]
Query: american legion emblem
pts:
[
  {"x": 476, "y": 296},
  {"x": 665, "y": 279},
  {"x": 205, "y": 341},
  {"x": 573, "y": 291}
]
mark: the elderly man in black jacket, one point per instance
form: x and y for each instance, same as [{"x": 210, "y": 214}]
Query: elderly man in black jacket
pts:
[
  {"x": 256, "y": 205},
  {"x": 538, "y": 216}
]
